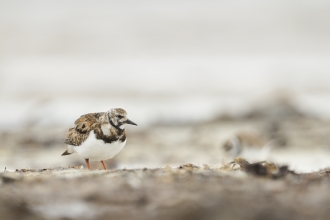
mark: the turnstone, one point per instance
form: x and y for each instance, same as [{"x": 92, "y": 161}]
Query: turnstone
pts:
[
  {"x": 250, "y": 146},
  {"x": 98, "y": 136}
]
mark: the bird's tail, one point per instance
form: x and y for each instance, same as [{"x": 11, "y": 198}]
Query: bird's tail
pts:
[{"x": 68, "y": 151}]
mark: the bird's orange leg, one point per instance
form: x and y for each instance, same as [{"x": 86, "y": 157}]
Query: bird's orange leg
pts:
[
  {"x": 87, "y": 163},
  {"x": 103, "y": 164}
]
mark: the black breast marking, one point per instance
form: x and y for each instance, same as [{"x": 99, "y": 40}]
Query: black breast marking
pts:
[{"x": 118, "y": 135}]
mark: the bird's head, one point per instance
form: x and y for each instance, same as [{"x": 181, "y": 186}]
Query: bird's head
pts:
[{"x": 118, "y": 118}]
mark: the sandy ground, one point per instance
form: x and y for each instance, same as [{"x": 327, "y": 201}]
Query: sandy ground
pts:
[
  {"x": 187, "y": 192},
  {"x": 173, "y": 172}
]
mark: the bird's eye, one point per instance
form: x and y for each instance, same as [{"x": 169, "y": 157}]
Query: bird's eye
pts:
[
  {"x": 120, "y": 116},
  {"x": 228, "y": 147}
]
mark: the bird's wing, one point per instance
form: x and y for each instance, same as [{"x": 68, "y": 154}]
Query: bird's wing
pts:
[{"x": 84, "y": 125}]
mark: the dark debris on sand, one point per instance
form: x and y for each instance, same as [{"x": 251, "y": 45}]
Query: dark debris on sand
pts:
[{"x": 264, "y": 168}]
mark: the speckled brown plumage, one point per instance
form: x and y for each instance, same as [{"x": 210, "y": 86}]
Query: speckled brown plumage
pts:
[{"x": 93, "y": 121}]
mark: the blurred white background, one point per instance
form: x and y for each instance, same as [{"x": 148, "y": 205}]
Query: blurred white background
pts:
[{"x": 160, "y": 60}]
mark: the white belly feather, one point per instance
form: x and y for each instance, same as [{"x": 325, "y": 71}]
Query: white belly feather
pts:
[{"x": 95, "y": 149}]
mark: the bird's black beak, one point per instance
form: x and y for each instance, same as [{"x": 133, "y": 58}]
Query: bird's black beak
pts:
[{"x": 130, "y": 122}]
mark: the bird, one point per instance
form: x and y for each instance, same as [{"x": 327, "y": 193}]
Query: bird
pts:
[
  {"x": 98, "y": 136},
  {"x": 247, "y": 145}
]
